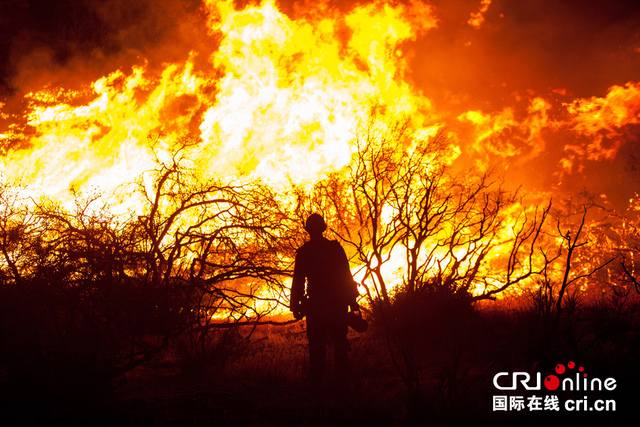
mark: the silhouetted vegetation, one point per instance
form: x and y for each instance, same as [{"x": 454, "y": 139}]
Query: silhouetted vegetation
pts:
[
  {"x": 88, "y": 295},
  {"x": 177, "y": 281},
  {"x": 400, "y": 204}
]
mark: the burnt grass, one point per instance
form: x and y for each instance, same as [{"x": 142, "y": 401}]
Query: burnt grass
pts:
[{"x": 260, "y": 380}]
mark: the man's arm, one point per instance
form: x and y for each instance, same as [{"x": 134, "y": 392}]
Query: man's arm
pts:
[
  {"x": 297, "y": 288},
  {"x": 351, "y": 287}
]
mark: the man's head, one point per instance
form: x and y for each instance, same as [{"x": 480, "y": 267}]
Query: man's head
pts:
[{"x": 315, "y": 224}]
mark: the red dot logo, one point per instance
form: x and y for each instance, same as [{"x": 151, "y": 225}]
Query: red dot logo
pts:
[
  {"x": 551, "y": 382},
  {"x": 559, "y": 369},
  {"x": 571, "y": 365}
]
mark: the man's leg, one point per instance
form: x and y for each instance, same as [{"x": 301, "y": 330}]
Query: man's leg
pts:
[
  {"x": 338, "y": 332},
  {"x": 317, "y": 334}
]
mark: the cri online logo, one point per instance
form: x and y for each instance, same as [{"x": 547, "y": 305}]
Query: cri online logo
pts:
[{"x": 552, "y": 382}]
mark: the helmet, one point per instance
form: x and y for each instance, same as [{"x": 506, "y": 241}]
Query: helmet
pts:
[{"x": 315, "y": 223}]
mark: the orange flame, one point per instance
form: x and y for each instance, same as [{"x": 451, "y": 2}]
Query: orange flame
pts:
[{"x": 601, "y": 121}]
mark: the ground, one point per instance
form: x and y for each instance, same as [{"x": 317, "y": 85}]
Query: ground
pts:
[{"x": 261, "y": 382}]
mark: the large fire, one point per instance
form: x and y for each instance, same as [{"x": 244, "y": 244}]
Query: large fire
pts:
[
  {"x": 276, "y": 91},
  {"x": 280, "y": 95}
]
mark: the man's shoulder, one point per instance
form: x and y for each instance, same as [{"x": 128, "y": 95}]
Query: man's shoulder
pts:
[
  {"x": 304, "y": 249},
  {"x": 305, "y": 246},
  {"x": 334, "y": 244},
  {"x": 320, "y": 244}
]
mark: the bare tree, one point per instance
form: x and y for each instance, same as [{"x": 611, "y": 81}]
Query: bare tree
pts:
[
  {"x": 556, "y": 288},
  {"x": 629, "y": 250},
  {"x": 18, "y": 230},
  {"x": 111, "y": 291},
  {"x": 227, "y": 237},
  {"x": 400, "y": 203},
  {"x": 223, "y": 240}
]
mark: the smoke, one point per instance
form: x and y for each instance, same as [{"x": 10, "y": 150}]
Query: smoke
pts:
[
  {"x": 582, "y": 46},
  {"x": 70, "y": 42}
]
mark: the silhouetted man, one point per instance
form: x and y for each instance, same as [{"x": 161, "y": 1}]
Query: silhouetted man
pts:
[{"x": 330, "y": 290}]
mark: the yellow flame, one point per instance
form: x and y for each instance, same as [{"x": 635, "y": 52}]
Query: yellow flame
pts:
[{"x": 290, "y": 94}]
